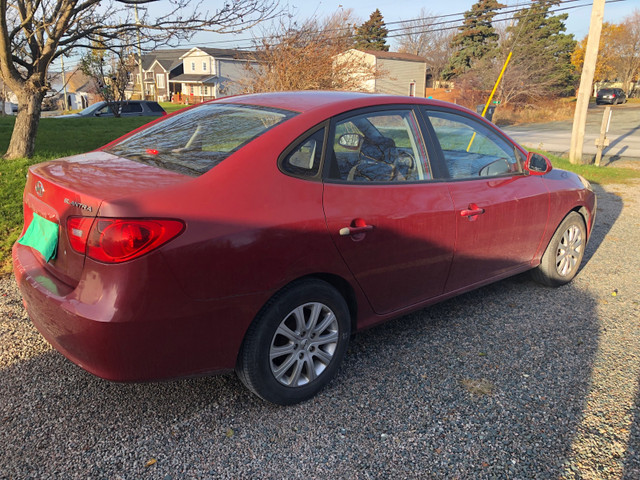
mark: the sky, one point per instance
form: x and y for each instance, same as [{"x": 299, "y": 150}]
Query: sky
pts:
[{"x": 397, "y": 10}]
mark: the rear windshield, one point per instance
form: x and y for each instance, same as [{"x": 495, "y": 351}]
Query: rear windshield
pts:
[
  {"x": 197, "y": 140},
  {"x": 606, "y": 91}
]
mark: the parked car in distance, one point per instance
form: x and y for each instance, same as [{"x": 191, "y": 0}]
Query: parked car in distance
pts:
[
  {"x": 614, "y": 96},
  {"x": 129, "y": 108},
  {"x": 259, "y": 232}
]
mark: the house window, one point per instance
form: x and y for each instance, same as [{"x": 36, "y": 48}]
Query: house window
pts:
[
  {"x": 205, "y": 90},
  {"x": 193, "y": 66},
  {"x": 412, "y": 89},
  {"x": 160, "y": 80},
  {"x": 204, "y": 66},
  {"x": 148, "y": 75}
]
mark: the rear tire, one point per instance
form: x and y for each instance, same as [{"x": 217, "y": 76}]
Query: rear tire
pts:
[
  {"x": 295, "y": 345},
  {"x": 563, "y": 256}
]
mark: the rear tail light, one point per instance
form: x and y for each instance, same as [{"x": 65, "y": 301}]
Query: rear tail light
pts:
[
  {"x": 78, "y": 232},
  {"x": 114, "y": 240}
]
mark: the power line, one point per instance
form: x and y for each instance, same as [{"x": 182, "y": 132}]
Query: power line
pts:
[{"x": 427, "y": 27}]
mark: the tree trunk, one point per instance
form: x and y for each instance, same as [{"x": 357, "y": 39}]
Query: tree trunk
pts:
[{"x": 23, "y": 138}]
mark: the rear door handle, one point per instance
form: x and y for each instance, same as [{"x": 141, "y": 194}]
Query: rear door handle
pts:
[
  {"x": 472, "y": 211},
  {"x": 346, "y": 231}
]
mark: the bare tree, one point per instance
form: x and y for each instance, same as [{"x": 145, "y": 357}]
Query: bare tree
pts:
[
  {"x": 308, "y": 57},
  {"x": 33, "y": 33},
  {"x": 109, "y": 70},
  {"x": 427, "y": 39}
]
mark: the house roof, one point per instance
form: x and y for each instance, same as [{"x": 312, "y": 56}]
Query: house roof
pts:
[
  {"x": 220, "y": 52},
  {"x": 168, "y": 59},
  {"x": 190, "y": 78},
  {"x": 409, "y": 57},
  {"x": 79, "y": 82}
]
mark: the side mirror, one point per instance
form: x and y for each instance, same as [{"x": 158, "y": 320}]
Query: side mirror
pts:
[
  {"x": 350, "y": 141},
  {"x": 537, "y": 164}
]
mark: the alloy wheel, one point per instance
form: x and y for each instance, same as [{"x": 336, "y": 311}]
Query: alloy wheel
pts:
[{"x": 304, "y": 344}]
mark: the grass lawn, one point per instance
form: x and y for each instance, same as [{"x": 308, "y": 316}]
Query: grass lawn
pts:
[
  {"x": 171, "y": 107},
  {"x": 63, "y": 137}
]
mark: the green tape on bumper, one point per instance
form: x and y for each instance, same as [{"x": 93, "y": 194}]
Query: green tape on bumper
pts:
[{"x": 42, "y": 235}]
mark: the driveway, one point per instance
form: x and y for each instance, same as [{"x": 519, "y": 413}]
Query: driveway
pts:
[
  {"x": 513, "y": 380},
  {"x": 555, "y": 137}
]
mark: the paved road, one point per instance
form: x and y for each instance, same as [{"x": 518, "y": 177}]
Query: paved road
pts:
[{"x": 555, "y": 137}]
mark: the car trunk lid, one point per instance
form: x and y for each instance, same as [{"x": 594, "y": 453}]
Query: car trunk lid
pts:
[{"x": 77, "y": 186}]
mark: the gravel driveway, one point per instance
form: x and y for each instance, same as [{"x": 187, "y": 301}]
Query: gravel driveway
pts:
[{"x": 510, "y": 381}]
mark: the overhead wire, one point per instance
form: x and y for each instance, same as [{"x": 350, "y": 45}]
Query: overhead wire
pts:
[{"x": 416, "y": 29}]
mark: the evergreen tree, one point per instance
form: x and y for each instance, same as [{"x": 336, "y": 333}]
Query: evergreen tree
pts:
[
  {"x": 372, "y": 34},
  {"x": 476, "y": 38},
  {"x": 541, "y": 46}
]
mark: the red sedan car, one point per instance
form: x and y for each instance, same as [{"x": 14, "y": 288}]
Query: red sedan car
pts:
[{"x": 259, "y": 232}]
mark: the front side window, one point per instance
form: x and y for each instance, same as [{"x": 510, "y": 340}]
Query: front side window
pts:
[
  {"x": 104, "y": 110},
  {"x": 383, "y": 146},
  {"x": 471, "y": 149},
  {"x": 197, "y": 140}
]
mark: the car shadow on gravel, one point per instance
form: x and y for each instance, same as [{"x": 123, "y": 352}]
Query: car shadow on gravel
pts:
[
  {"x": 491, "y": 384},
  {"x": 603, "y": 223},
  {"x": 632, "y": 454},
  {"x": 403, "y": 404}
]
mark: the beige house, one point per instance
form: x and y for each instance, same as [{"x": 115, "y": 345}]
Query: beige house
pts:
[{"x": 402, "y": 73}]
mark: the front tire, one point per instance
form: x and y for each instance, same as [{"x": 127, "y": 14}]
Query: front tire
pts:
[
  {"x": 563, "y": 256},
  {"x": 295, "y": 345}
]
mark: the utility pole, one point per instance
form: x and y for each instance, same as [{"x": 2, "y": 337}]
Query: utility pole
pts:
[
  {"x": 135, "y": 9},
  {"x": 586, "y": 82},
  {"x": 64, "y": 84}
]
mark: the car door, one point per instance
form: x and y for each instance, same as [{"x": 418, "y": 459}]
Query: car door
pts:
[
  {"x": 392, "y": 224},
  {"x": 500, "y": 211}
]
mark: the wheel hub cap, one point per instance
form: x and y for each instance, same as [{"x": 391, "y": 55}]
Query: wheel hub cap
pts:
[
  {"x": 303, "y": 344},
  {"x": 569, "y": 251}
]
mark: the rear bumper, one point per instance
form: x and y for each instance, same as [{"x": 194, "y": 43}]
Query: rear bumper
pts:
[{"x": 132, "y": 327}]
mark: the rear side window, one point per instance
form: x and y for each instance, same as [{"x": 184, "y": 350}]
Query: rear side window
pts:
[
  {"x": 379, "y": 146},
  {"x": 304, "y": 159},
  {"x": 197, "y": 140},
  {"x": 154, "y": 107},
  {"x": 131, "y": 108}
]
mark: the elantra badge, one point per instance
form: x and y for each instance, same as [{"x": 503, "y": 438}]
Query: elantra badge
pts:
[
  {"x": 39, "y": 188},
  {"x": 82, "y": 206}
]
